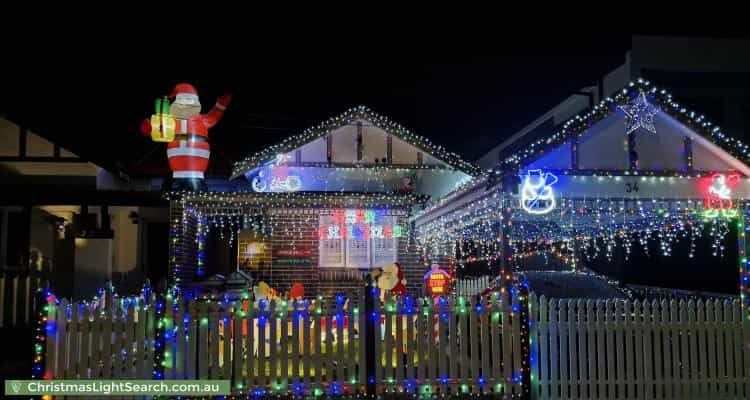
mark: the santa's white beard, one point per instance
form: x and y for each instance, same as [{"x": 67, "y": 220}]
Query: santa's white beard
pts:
[{"x": 184, "y": 111}]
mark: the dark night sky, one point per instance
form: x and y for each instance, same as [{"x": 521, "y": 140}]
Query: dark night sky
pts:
[{"x": 466, "y": 98}]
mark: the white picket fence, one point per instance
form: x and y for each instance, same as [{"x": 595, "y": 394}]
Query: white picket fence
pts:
[
  {"x": 420, "y": 346},
  {"x": 17, "y": 289},
  {"x": 472, "y": 286},
  {"x": 452, "y": 345},
  {"x": 615, "y": 349},
  {"x": 101, "y": 340}
]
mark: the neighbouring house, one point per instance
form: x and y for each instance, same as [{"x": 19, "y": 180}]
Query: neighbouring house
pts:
[{"x": 73, "y": 222}]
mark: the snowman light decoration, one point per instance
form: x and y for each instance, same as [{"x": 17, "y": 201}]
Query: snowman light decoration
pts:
[{"x": 537, "y": 196}]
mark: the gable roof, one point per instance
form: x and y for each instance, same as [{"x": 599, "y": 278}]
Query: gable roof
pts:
[
  {"x": 348, "y": 117},
  {"x": 576, "y": 126}
]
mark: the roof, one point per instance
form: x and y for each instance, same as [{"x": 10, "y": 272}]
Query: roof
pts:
[
  {"x": 348, "y": 117},
  {"x": 557, "y": 284},
  {"x": 579, "y": 124}
]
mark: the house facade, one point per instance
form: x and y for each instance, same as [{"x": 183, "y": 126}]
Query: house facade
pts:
[{"x": 322, "y": 208}]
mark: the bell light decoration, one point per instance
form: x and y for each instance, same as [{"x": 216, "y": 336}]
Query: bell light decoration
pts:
[{"x": 162, "y": 123}]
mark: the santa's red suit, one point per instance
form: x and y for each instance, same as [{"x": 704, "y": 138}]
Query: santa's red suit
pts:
[
  {"x": 400, "y": 288},
  {"x": 189, "y": 153}
]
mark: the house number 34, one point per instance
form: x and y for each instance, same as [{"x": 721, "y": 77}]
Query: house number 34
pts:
[{"x": 631, "y": 187}]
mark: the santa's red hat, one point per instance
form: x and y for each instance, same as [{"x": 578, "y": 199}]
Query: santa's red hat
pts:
[{"x": 184, "y": 91}]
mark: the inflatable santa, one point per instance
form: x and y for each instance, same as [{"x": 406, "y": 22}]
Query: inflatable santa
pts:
[
  {"x": 188, "y": 151},
  {"x": 392, "y": 280}
]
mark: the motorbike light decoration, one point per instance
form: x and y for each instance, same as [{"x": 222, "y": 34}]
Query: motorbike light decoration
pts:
[
  {"x": 537, "y": 196},
  {"x": 274, "y": 176}
]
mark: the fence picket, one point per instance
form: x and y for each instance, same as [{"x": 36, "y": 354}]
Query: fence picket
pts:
[
  {"x": 473, "y": 343},
  {"x": 378, "y": 340},
  {"x": 485, "y": 347},
  {"x": 192, "y": 356},
  {"x": 738, "y": 350},
  {"x": 725, "y": 326},
  {"x": 609, "y": 331},
  {"x": 203, "y": 341},
  {"x": 517, "y": 351},
  {"x": 140, "y": 340},
  {"x": 701, "y": 322},
  {"x": 307, "y": 359},
  {"x": 399, "y": 347},
  {"x": 572, "y": 390},
  {"x": 538, "y": 343},
  {"x": 250, "y": 345},
  {"x": 237, "y": 324},
  {"x": 272, "y": 323},
  {"x": 411, "y": 348},
  {"x": 388, "y": 344},
  {"x": 562, "y": 329},
  {"x": 84, "y": 352},
  {"x": 350, "y": 344},
  {"x": 283, "y": 353},
  {"x": 128, "y": 349},
  {"x": 442, "y": 347},
  {"x": 720, "y": 350},
  {"x": 226, "y": 344},
  {"x": 456, "y": 355},
  {"x": 52, "y": 346},
  {"x": 421, "y": 330},
  {"x": 361, "y": 336}
]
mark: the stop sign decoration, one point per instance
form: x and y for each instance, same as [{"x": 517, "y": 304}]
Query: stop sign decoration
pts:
[{"x": 437, "y": 281}]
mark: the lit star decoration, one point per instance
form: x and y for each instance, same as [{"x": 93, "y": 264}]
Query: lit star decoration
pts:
[{"x": 640, "y": 114}]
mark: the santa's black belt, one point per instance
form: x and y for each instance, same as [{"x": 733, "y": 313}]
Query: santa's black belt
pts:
[{"x": 191, "y": 138}]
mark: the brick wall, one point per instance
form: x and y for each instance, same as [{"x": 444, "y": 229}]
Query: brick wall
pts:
[
  {"x": 291, "y": 254},
  {"x": 295, "y": 237}
]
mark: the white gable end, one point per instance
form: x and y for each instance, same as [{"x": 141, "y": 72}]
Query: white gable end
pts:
[{"x": 604, "y": 147}]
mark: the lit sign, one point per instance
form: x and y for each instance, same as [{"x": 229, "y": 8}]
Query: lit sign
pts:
[
  {"x": 361, "y": 231},
  {"x": 359, "y": 224},
  {"x": 274, "y": 177},
  {"x": 437, "y": 281},
  {"x": 537, "y": 196}
]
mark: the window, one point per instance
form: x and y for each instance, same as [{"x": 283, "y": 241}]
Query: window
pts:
[{"x": 358, "y": 238}]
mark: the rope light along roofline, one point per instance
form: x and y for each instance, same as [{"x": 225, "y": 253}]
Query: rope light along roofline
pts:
[
  {"x": 354, "y": 114},
  {"x": 579, "y": 124}
]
